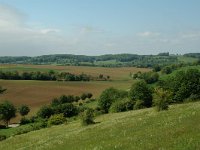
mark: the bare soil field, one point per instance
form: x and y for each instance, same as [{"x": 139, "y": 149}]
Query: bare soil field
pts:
[{"x": 38, "y": 93}]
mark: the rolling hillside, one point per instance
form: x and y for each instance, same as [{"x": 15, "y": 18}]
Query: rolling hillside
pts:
[{"x": 177, "y": 128}]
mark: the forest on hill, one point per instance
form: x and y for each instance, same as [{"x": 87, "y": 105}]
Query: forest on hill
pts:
[{"x": 109, "y": 60}]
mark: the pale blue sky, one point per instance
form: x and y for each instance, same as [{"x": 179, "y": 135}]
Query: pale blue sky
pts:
[{"x": 94, "y": 27}]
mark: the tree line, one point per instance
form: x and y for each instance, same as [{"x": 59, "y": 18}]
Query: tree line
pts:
[
  {"x": 46, "y": 76},
  {"x": 49, "y": 76},
  {"x": 182, "y": 87},
  {"x": 79, "y": 60}
]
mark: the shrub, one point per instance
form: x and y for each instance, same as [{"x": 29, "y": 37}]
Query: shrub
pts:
[
  {"x": 149, "y": 77},
  {"x": 139, "y": 104},
  {"x": 193, "y": 98},
  {"x": 77, "y": 98},
  {"x": 87, "y": 116},
  {"x": 24, "y": 121},
  {"x": 161, "y": 99},
  {"x": 121, "y": 105},
  {"x": 55, "y": 102},
  {"x": 67, "y": 109},
  {"x": 108, "y": 96},
  {"x": 141, "y": 91},
  {"x": 83, "y": 96},
  {"x": 66, "y": 99},
  {"x": 156, "y": 68},
  {"x": 82, "y": 108},
  {"x": 56, "y": 119},
  {"x": 2, "y": 126},
  {"x": 45, "y": 112},
  {"x": 2, "y": 137},
  {"x": 166, "y": 70},
  {"x": 89, "y": 95},
  {"x": 31, "y": 127},
  {"x": 184, "y": 85},
  {"x": 24, "y": 110}
]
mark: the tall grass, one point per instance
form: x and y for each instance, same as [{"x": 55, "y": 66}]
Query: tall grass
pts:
[{"x": 177, "y": 128}]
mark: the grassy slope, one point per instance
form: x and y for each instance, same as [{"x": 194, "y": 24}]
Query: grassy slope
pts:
[{"x": 178, "y": 128}]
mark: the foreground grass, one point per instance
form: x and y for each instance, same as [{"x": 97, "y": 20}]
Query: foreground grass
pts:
[{"x": 178, "y": 128}]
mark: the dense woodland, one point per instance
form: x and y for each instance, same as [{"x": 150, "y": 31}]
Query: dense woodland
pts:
[{"x": 109, "y": 60}]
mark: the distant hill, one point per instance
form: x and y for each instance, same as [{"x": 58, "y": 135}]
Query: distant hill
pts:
[{"x": 109, "y": 60}]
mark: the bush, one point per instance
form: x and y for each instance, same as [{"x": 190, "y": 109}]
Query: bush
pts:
[
  {"x": 84, "y": 96},
  {"x": 56, "y": 119},
  {"x": 55, "y": 102},
  {"x": 109, "y": 96},
  {"x": 87, "y": 116},
  {"x": 184, "y": 85},
  {"x": 24, "y": 110},
  {"x": 141, "y": 91},
  {"x": 166, "y": 70},
  {"x": 193, "y": 98},
  {"x": 2, "y": 126},
  {"x": 121, "y": 106},
  {"x": 45, "y": 112},
  {"x": 24, "y": 121},
  {"x": 149, "y": 77},
  {"x": 28, "y": 128},
  {"x": 139, "y": 104},
  {"x": 2, "y": 137},
  {"x": 68, "y": 109},
  {"x": 82, "y": 109},
  {"x": 161, "y": 99},
  {"x": 89, "y": 95}
]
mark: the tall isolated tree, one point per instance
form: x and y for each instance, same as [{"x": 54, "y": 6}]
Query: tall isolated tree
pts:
[{"x": 7, "y": 112}]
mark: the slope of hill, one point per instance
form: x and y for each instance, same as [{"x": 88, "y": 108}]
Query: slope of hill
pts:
[{"x": 177, "y": 128}]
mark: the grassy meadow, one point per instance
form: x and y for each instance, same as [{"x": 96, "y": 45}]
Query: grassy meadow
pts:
[
  {"x": 38, "y": 93},
  {"x": 177, "y": 128}
]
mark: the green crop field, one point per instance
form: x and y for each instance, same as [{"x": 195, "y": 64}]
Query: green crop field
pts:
[
  {"x": 177, "y": 128},
  {"x": 37, "y": 93}
]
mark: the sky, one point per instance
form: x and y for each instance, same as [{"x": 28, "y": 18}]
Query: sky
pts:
[{"x": 96, "y": 27}]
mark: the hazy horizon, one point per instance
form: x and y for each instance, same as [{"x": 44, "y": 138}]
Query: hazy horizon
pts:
[{"x": 94, "y": 27}]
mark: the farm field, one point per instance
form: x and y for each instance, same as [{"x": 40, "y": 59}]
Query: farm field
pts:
[
  {"x": 38, "y": 93},
  {"x": 177, "y": 128}
]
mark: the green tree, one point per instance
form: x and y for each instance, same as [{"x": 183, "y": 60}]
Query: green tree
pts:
[
  {"x": 183, "y": 85},
  {"x": 108, "y": 96},
  {"x": 24, "y": 110},
  {"x": 87, "y": 116},
  {"x": 166, "y": 70},
  {"x": 161, "y": 99},
  {"x": 83, "y": 96},
  {"x": 45, "y": 112},
  {"x": 56, "y": 119},
  {"x": 141, "y": 91},
  {"x": 7, "y": 112},
  {"x": 89, "y": 95},
  {"x": 156, "y": 68}
]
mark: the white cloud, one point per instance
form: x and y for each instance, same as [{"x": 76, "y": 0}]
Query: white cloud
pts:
[
  {"x": 148, "y": 34},
  {"x": 19, "y": 37},
  {"x": 190, "y": 35}
]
